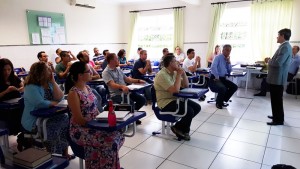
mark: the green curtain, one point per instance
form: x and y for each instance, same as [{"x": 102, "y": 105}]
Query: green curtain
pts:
[
  {"x": 132, "y": 45},
  {"x": 178, "y": 27},
  {"x": 267, "y": 18},
  {"x": 217, "y": 12}
]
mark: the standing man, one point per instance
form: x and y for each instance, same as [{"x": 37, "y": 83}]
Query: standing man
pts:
[
  {"x": 42, "y": 56},
  {"x": 218, "y": 83},
  {"x": 277, "y": 75},
  {"x": 168, "y": 81}
]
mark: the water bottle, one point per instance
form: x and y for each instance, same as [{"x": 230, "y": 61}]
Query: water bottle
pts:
[{"x": 112, "y": 119}]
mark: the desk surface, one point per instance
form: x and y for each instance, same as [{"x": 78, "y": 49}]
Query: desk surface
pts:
[
  {"x": 193, "y": 93},
  {"x": 49, "y": 112},
  {"x": 10, "y": 104},
  {"x": 138, "y": 86},
  {"x": 103, "y": 124},
  {"x": 57, "y": 163},
  {"x": 238, "y": 67}
]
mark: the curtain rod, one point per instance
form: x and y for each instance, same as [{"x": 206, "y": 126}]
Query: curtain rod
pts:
[
  {"x": 230, "y": 2},
  {"x": 158, "y": 9}
]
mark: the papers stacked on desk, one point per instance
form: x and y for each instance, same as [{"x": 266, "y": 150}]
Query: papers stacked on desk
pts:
[
  {"x": 63, "y": 103},
  {"x": 121, "y": 115},
  {"x": 137, "y": 86},
  {"x": 191, "y": 90},
  {"x": 237, "y": 72},
  {"x": 12, "y": 101}
]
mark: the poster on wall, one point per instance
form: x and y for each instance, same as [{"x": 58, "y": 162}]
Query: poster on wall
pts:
[{"x": 46, "y": 27}]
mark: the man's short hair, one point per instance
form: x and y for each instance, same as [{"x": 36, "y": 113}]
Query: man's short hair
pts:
[
  {"x": 165, "y": 50},
  {"x": 104, "y": 52},
  {"x": 80, "y": 55},
  {"x": 227, "y": 46},
  {"x": 143, "y": 51},
  {"x": 189, "y": 51},
  {"x": 58, "y": 49},
  {"x": 110, "y": 57},
  {"x": 140, "y": 49},
  {"x": 39, "y": 55},
  {"x": 286, "y": 33},
  {"x": 63, "y": 53},
  {"x": 167, "y": 59}
]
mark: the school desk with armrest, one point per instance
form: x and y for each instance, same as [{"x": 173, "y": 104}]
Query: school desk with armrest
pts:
[
  {"x": 43, "y": 115},
  {"x": 103, "y": 126},
  {"x": 168, "y": 118}
]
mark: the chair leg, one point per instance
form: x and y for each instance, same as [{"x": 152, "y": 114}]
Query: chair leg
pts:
[
  {"x": 80, "y": 163},
  {"x": 163, "y": 130}
]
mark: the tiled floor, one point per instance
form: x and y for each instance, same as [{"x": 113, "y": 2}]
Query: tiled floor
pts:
[{"x": 236, "y": 137}]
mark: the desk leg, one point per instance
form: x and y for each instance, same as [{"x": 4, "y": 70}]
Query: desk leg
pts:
[{"x": 247, "y": 79}]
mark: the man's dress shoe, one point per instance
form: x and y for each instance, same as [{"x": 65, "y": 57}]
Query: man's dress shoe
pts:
[
  {"x": 260, "y": 94},
  {"x": 270, "y": 117},
  {"x": 273, "y": 123},
  {"x": 219, "y": 106}
]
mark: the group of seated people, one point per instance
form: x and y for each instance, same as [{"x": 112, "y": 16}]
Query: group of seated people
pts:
[{"x": 101, "y": 148}]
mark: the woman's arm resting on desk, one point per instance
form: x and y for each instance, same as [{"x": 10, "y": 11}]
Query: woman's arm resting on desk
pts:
[
  {"x": 57, "y": 93},
  {"x": 74, "y": 105}
]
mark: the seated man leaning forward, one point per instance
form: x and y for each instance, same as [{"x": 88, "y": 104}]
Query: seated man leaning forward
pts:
[
  {"x": 167, "y": 82},
  {"x": 218, "y": 83},
  {"x": 116, "y": 81}
]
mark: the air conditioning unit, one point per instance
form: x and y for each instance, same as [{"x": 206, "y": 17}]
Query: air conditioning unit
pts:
[{"x": 84, "y": 3}]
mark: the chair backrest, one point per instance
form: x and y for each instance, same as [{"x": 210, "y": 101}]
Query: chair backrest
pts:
[
  {"x": 153, "y": 97},
  {"x": 77, "y": 149},
  {"x": 162, "y": 117},
  {"x": 156, "y": 63}
]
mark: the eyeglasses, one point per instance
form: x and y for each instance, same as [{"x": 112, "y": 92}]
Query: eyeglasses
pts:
[{"x": 87, "y": 71}]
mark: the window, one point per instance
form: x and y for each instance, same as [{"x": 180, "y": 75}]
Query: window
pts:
[
  {"x": 235, "y": 30},
  {"x": 155, "y": 32}
]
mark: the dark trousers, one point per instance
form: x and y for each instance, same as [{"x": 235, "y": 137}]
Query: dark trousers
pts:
[
  {"x": 136, "y": 100},
  {"x": 264, "y": 87},
  {"x": 193, "y": 109},
  {"x": 276, "y": 92},
  {"x": 225, "y": 89}
]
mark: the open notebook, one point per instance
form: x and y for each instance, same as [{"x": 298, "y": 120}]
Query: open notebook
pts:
[{"x": 121, "y": 115}]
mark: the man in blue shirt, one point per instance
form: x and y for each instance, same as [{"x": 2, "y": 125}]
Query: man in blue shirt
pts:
[{"x": 218, "y": 83}]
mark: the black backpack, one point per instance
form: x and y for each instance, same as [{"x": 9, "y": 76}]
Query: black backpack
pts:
[{"x": 282, "y": 166}]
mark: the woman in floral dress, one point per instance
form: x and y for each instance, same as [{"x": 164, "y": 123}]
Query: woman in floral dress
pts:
[{"x": 101, "y": 148}]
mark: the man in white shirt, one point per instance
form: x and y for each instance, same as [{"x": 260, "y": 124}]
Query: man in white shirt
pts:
[{"x": 190, "y": 64}]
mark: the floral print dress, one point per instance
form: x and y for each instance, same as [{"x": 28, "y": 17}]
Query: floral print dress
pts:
[{"x": 101, "y": 147}]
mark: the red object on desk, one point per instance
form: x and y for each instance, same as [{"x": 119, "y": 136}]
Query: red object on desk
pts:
[{"x": 112, "y": 119}]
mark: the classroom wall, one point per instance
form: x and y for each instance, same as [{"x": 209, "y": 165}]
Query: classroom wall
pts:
[
  {"x": 85, "y": 29},
  {"x": 197, "y": 23}
]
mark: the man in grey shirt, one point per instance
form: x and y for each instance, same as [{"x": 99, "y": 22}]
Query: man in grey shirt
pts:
[{"x": 116, "y": 81}]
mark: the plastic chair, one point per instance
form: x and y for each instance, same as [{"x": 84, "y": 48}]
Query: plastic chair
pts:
[
  {"x": 4, "y": 135},
  {"x": 167, "y": 118}
]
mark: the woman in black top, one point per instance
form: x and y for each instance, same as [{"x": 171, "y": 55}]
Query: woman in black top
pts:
[
  {"x": 10, "y": 84},
  {"x": 10, "y": 88}
]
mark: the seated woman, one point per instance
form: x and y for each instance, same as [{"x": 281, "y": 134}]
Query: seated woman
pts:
[
  {"x": 10, "y": 84},
  {"x": 216, "y": 52},
  {"x": 10, "y": 88},
  {"x": 122, "y": 58},
  {"x": 101, "y": 147},
  {"x": 41, "y": 91}
]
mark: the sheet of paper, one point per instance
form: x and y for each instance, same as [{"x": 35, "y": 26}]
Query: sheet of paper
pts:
[{"x": 36, "y": 38}]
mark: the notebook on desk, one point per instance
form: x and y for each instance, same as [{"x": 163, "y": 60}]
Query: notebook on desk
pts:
[
  {"x": 11, "y": 101},
  {"x": 121, "y": 115},
  {"x": 191, "y": 90}
]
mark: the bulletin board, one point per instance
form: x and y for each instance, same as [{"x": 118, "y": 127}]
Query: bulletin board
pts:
[{"x": 46, "y": 27}]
